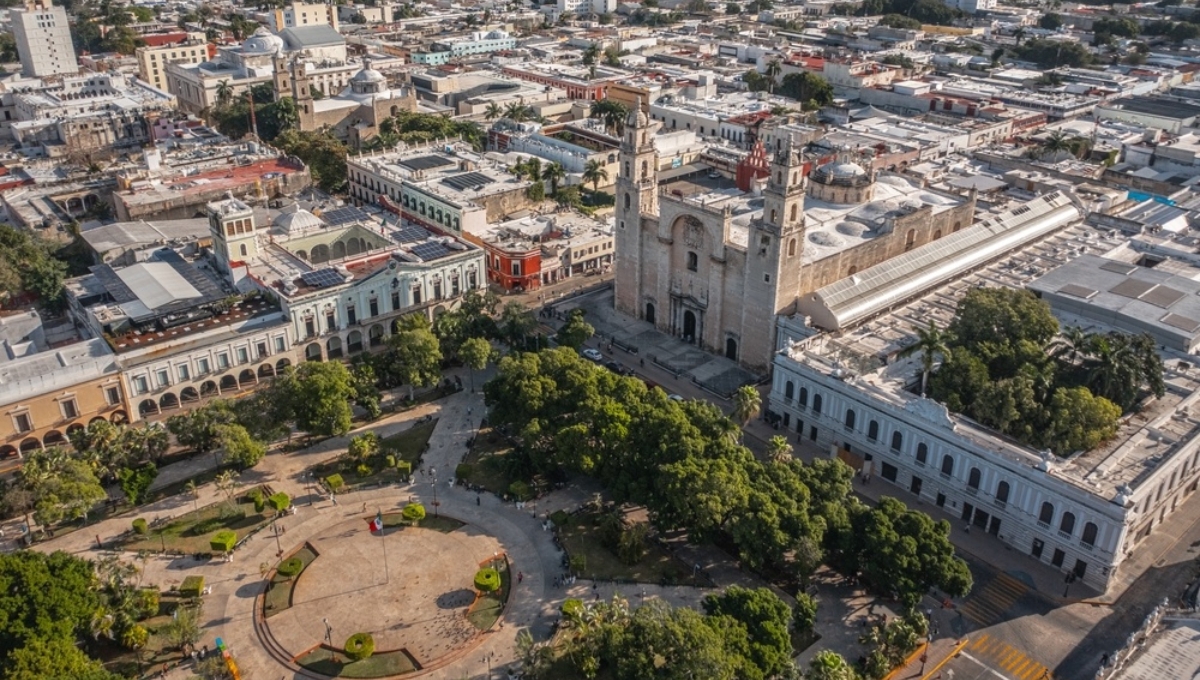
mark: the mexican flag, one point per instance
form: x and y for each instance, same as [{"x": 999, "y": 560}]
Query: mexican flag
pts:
[{"x": 377, "y": 523}]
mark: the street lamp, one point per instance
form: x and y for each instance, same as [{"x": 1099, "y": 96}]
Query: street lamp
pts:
[
  {"x": 328, "y": 631},
  {"x": 433, "y": 471},
  {"x": 1068, "y": 580},
  {"x": 275, "y": 530}
]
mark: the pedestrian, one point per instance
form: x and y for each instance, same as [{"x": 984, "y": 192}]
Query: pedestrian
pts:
[
  {"x": 477, "y": 501},
  {"x": 520, "y": 576}
]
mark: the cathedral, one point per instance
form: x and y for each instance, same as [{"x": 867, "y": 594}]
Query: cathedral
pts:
[{"x": 715, "y": 268}]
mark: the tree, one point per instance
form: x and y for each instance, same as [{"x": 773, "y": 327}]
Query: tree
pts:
[
  {"x": 319, "y": 394},
  {"x": 804, "y": 614},
  {"x": 930, "y": 343},
  {"x": 829, "y": 665},
  {"x": 475, "y": 353},
  {"x": 324, "y": 155},
  {"x": 364, "y": 446},
  {"x": 772, "y": 72},
  {"x": 658, "y": 636},
  {"x": 70, "y": 493},
  {"x": 590, "y": 54},
  {"x": 1050, "y": 21},
  {"x": 1055, "y": 144},
  {"x": 493, "y": 111},
  {"x": 241, "y": 449},
  {"x": 778, "y": 449},
  {"x": 1080, "y": 421},
  {"x": 746, "y": 404},
  {"x": 765, "y": 618},
  {"x": 899, "y": 21},
  {"x": 55, "y": 657},
  {"x": 594, "y": 173},
  {"x": 224, "y": 93},
  {"x": 366, "y": 389},
  {"x": 612, "y": 112},
  {"x": 136, "y": 483},
  {"x": 226, "y": 483},
  {"x": 199, "y": 429},
  {"x": 810, "y": 89},
  {"x": 184, "y": 628},
  {"x": 416, "y": 355},
  {"x": 553, "y": 173},
  {"x": 516, "y": 323},
  {"x": 575, "y": 331}
]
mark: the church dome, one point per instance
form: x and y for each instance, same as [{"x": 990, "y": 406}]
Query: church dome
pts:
[
  {"x": 263, "y": 42},
  {"x": 297, "y": 221},
  {"x": 496, "y": 35},
  {"x": 846, "y": 170},
  {"x": 368, "y": 75}
]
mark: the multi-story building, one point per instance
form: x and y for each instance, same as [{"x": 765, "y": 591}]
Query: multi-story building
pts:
[
  {"x": 529, "y": 252},
  {"x": 303, "y": 14},
  {"x": 578, "y": 7},
  {"x": 480, "y": 42},
  {"x": 577, "y": 81},
  {"x": 43, "y": 35},
  {"x": 47, "y": 392},
  {"x": 152, "y": 61}
]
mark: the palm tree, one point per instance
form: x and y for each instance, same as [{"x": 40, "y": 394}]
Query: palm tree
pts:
[
  {"x": 493, "y": 111},
  {"x": 553, "y": 173},
  {"x": 102, "y": 623},
  {"x": 516, "y": 112},
  {"x": 747, "y": 403},
  {"x": 533, "y": 168},
  {"x": 226, "y": 483},
  {"x": 1054, "y": 144},
  {"x": 590, "y": 54},
  {"x": 516, "y": 322},
  {"x": 778, "y": 449},
  {"x": 595, "y": 173},
  {"x": 1073, "y": 344},
  {"x": 930, "y": 342},
  {"x": 1115, "y": 372},
  {"x": 224, "y": 93},
  {"x": 772, "y": 72}
]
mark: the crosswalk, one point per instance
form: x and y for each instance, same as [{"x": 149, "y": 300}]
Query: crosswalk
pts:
[
  {"x": 988, "y": 607},
  {"x": 1005, "y": 659}
]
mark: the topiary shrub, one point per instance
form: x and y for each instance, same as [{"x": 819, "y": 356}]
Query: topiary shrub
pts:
[
  {"x": 404, "y": 468},
  {"x": 463, "y": 470},
  {"x": 360, "y": 646},
  {"x": 192, "y": 586},
  {"x": 413, "y": 512},
  {"x": 223, "y": 541},
  {"x": 487, "y": 580},
  {"x": 260, "y": 503},
  {"x": 146, "y": 601},
  {"x": 140, "y": 527},
  {"x": 572, "y": 608},
  {"x": 520, "y": 490},
  {"x": 335, "y": 483},
  {"x": 363, "y": 470},
  {"x": 560, "y": 518},
  {"x": 290, "y": 567},
  {"x": 279, "y": 502}
]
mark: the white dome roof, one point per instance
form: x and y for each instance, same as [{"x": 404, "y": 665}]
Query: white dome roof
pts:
[
  {"x": 263, "y": 42},
  {"x": 368, "y": 75},
  {"x": 297, "y": 221},
  {"x": 846, "y": 170},
  {"x": 496, "y": 35}
]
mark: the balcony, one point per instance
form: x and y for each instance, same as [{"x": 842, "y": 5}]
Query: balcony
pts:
[
  {"x": 1044, "y": 525},
  {"x": 945, "y": 476},
  {"x": 1087, "y": 546},
  {"x": 1064, "y": 534},
  {"x": 974, "y": 491}
]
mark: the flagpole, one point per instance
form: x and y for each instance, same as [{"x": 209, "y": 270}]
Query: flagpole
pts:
[{"x": 387, "y": 577}]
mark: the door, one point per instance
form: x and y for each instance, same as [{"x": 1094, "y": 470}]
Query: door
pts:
[
  {"x": 689, "y": 326},
  {"x": 994, "y": 529},
  {"x": 1057, "y": 559},
  {"x": 981, "y": 519},
  {"x": 731, "y": 349},
  {"x": 1080, "y": 568},
  {"x": 1038, "y": 547},
  {"x": 968, "y": 510},
  {"x": 915, "y": 485},
  {"x": 650, "y": 312},
  {"x": 941, "y": 500}
]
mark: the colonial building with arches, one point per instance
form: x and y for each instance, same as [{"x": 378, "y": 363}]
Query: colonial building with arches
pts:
[
  {"x": 47, "y": 392},
  {"x": 715, "y": 267}
]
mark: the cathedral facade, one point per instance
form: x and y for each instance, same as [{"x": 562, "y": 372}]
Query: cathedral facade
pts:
[{"x": 716, "y": 268}]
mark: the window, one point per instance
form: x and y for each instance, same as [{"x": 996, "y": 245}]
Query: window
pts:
[
  {"x": 201, "y": 366},
  {"x": 262, "y": 349},
  {"x": 330, "y": 321},
  {"x": 850, "y": 419},
  {"x": 416, "y": 293},
  {"x": 1067, "y": 524},
  {"x": 888, "y": 472},
  {"x": 693, "y": 261},
  {"x": 789, "y": 390},
  {"x": 182, "y": 371},
  {"x": 22, "y": 422},
  {"x": 164, "y": 377},
  {"x": 310, "y": 327},
  {"x": 516, "y": 268},
  {"x": 812, "y": 433},
  {"x": 141, "y": 385},
  {"x": 437, "y": 290},
  {"x": 351, "y": 316},
  {"x": 803, "y": 400},
  {"x": 1089, "y": 534},
  {"x": 395, "y": 301},
  {"x": 1002, "y": 493},
  {"x": 817, "y": 404},
  {"x": 873, "y": 430},
  {"x": 947, "y": 466},
  {"x": 897, "y": 441},
  {"x": 973, "y": 478},
  {"x": 922, "y": 453},
  {"x": 1046, "y": 514},
  {"x": 112, "y": 395},
  {"x": 223, "y": 361},
  {"x": 69, "y": 410}
]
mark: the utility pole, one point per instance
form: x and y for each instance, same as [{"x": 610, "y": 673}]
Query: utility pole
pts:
[{"x": 253, "y": 118}]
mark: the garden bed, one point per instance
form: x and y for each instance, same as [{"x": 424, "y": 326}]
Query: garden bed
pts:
[
  {"x": 123, "y": 661},
  {"x": 488, "y": 606},
  {"x": 487, "y": 461},
  {"x": 279, "y": 591},
  {"x": 408, "y": 446},
  {"x": 581, "y": 536},
  {"x": 442, "y": 524},
  {"x": 335, "y": 664},
  {"x": 191, "y": 533}
]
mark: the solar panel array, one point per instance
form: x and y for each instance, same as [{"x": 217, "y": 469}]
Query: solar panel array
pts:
[
  {"x": 322, "y": 278},
  {"x": 426, "y": 162},
  {"x": 430, "y": 251},
  {"x": 411, "y": 234},
  {"x": 467, "y": 180},
  {"x": 344, "y": 215}
]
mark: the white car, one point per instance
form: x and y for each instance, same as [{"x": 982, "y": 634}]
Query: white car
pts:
[
  {"x": 593, "y": 355},
  {"x": 675, "y": 397}
]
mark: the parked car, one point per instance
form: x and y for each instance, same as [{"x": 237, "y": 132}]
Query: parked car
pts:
[
  {"x": 592, "y": 355},
  {"x": 675, "y": 397}
]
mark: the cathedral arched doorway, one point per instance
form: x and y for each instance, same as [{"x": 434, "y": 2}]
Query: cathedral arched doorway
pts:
[
  {"x": 689, "y": 326},
  {"x": 731, "y": 349},
  {"x": 650, "y": 312}
]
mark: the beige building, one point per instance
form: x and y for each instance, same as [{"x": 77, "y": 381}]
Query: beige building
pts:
[
  {"x": 303, "y": 14},
  {"x": 47, "y": 392},
  {"x": 152, "y": 61}
]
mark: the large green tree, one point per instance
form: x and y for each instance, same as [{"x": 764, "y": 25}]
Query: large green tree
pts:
[
  {"x": 414, "y": 356},
  {"x": 575, "y": 331},
  {"x": 318, "y": 395},
  {"x": 765, "y": 618}
]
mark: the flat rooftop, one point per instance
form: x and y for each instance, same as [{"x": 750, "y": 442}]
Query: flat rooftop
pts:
[{"x": 226, "y": 179}]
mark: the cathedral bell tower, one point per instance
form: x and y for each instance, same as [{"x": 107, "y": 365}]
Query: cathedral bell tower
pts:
[
  {"x": 777, "y": 240},
  {"x": 637, "y": 195}
]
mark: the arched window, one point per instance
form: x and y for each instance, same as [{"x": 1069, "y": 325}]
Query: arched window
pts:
[
  {"x": 816, "y": 403},
  {"x": 922, "y": 453},
  {"x": 937, "y": 234},
  {"x": 626, "y": 168},
  {"x": 973, "y": 478},
  {"x": 803, "y": 400},
  {"x": 645, "y": 170},
  {"x": 1067, "y": 524},
  {"x": 850, "y": 419},
  {"x": 693, "y": 261},
  {"x": 789, "y": 390},
  {"x": 910, "y": 239},
  {"x": 873, "y": 430},
  {"x": 627, "y": 201},
  {"x": 793, "y": 212},
  {"x": 947, "y": 465},
  {"x": 897, "y": 441},
  {"x": 1047, "y": 513},
  {"x": 1089, "y": 534},
  {"x": 792, "y": 248},
  {"x": 773, "y": 216},
  {"x": 1002, "y": 492}
]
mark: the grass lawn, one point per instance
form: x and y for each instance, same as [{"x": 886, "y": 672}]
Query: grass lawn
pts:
[
  {"x": 407, "y": 445},
  {"x": 334, "y": 664},
  {"x": 279, "y": 591},
  {"x": 580, "y": 536},
  {"x": 192, "y": 533},
  {"x": 487, "y": 608},
  {"x": 122, "y": 661},
  {"x": 486, "y": 459},
  {"x": 442, "y": 524}
]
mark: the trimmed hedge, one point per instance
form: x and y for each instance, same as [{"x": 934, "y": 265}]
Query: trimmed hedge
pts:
[
  {"x": 487, "y": 580},
  {"x": 360, "y": 646},
  {"x": 223, "y": 541},
  {"x": 260, "y": 503},
  {"x": 280, "y": 502},
  {"x": 335, "y": 482},
  {"x": 192, "y": 586},
  {"x": 290, "y": 567},
  {"x": 140, "y": 527},
  {"x": 520, "y": 491},
  {"x": 413, "y": 512}
]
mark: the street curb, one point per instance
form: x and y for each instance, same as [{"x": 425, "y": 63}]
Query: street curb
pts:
[
  {"x": 953, "y": 653},
  {"x": 908, "y": 661}
]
